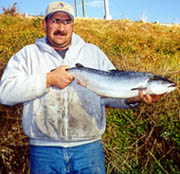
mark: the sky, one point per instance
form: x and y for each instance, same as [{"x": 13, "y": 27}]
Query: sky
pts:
[{"x": 162, "y": 11}]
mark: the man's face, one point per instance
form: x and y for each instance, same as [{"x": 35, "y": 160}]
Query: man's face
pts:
[{"x": 59, "y": 28}]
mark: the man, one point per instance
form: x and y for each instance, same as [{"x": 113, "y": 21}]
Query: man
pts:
[{"x": 63, "y": 120}]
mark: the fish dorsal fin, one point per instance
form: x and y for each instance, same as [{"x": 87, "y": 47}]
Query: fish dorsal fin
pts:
[
  {"x": 116, "y": 70},
  {"x": 79, "y": 65}
]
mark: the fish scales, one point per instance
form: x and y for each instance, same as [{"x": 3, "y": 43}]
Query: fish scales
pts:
[{"x": 121, "y": 84}]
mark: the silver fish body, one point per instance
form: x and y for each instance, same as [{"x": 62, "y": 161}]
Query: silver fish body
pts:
[{"x": 121, "y": 84}]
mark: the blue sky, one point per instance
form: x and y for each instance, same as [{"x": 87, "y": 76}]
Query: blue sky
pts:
[{"x": 164, "y": 11}]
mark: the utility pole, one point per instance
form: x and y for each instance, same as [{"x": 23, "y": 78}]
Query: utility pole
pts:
[
  {"x": 83, "y": 7},
  {"x": 76, "y": 10},
  {"x": 106, "y": 8}
]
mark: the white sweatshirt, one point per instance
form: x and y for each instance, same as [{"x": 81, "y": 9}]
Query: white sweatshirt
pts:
[{"x": 51, "y": 116}]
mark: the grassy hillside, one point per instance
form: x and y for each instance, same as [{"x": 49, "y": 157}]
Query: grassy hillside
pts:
[{"x": 141, "y": 140}]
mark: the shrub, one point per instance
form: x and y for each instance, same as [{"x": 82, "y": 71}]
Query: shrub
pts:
[{"x": 141, "y": 140}]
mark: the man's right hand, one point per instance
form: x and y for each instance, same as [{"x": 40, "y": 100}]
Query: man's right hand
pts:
[{"x": 59, "y": 78}]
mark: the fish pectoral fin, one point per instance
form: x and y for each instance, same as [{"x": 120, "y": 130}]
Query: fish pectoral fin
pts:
[
  {"x": 82, "y": 83},
  {"x": 133, "y": 89}
]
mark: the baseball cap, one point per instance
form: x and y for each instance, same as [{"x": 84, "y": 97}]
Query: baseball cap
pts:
[{"x": 59, "y": 6}]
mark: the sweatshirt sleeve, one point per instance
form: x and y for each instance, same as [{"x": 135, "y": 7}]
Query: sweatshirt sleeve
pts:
[
  {"x": 18, "y": 84},
  {"x": 112, "y": 102},
  {"x": 117, "y": 103}
]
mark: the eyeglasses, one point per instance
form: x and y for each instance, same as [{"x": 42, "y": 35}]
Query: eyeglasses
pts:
[{"x": 64, "y": 22}]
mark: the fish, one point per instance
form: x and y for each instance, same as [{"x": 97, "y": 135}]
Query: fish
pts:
[{"x": 121, "y": 84}]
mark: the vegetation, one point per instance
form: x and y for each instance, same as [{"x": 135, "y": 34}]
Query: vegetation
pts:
[
  {"x": 11, "y": 10},
  {"x": 143, "y": 140}
]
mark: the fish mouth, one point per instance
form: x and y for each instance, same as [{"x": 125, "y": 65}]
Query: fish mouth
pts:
[{"x": 173, "y": 85}]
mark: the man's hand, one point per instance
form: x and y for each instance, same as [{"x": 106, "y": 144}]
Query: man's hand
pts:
[
  {"x": 148, "y": 99},
  {"x": 59, "y": 78}
]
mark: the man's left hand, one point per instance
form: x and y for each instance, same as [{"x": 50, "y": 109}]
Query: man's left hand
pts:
[{"x": 148, "y": 99}]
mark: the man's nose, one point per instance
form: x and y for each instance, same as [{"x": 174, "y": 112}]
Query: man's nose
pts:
[{"x": 61, "y": 26}]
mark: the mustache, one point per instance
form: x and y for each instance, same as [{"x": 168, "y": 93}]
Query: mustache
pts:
[{"x": 62, "y": 33}]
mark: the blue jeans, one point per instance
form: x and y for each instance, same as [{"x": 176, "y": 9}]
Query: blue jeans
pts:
[{"x": 84, "y": 159}]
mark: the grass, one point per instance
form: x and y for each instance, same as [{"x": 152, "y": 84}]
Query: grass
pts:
[{"x": 142, "y": 140}]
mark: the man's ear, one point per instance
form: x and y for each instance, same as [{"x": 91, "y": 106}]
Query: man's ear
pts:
[{"x": 44, "y": 24}]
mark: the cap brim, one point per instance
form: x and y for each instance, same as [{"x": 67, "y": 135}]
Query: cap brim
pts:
[{"x": 51, "y": 14}]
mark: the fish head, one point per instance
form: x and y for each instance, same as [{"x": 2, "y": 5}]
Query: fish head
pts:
[{"x": 159, "y": 85}]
